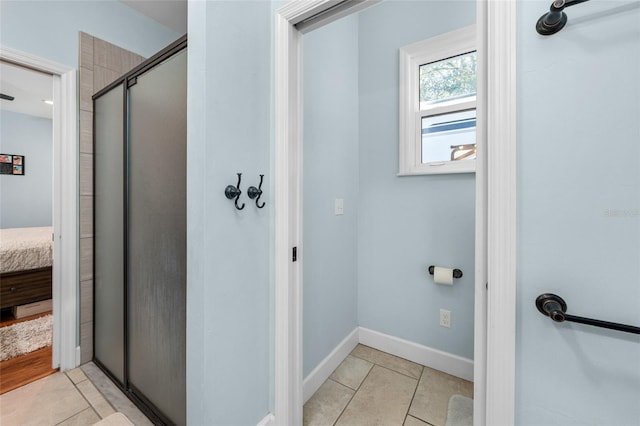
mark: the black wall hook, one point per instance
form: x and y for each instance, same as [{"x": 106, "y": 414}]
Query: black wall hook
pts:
[
  {"x": 254, "y": 192},
  {"x": 232, "y": 192}
]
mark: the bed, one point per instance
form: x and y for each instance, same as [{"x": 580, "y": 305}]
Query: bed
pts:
[{"x": 26, "y": 257}]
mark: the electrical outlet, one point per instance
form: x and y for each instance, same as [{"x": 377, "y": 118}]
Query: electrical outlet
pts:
[{"x": 445, "y": 318}]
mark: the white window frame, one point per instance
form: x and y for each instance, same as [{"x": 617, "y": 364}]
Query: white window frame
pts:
[{"x": 434, "y": 49}]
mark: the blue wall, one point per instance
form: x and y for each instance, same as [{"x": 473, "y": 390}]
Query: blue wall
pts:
[
  {"x": 579, "y": 214},
  {"x": 369, "y": 266},
  {"x": 26, "y": 200},
  {"x": 49, "y": 29},
  {"x": 330, "y": 170},
  {"x": 406, "y": 224},
  {"x": 228, "y": 251}
]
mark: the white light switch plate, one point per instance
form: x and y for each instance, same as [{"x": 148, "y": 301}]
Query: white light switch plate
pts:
[{"x": 339, "y": 206}]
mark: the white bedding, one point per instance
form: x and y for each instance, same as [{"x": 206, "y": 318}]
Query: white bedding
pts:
[{"x": 22, "y": 249}]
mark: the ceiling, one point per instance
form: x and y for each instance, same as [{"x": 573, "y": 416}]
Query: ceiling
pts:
[
  {"x": 170, "y": 13},
  {"x": 29, "y": 88}
]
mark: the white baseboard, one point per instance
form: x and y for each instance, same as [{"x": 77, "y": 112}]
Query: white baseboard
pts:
[
  {"x": 268, "y": 420},
  {"x": 317, "y": 377},
  {"x": 451, "y": 364},
  {"x": 443, "y": 361}
]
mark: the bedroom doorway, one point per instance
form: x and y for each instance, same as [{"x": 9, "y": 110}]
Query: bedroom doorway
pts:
[
  {"x": 26, "y": 222},
  {"x": 28, "y": 286}
]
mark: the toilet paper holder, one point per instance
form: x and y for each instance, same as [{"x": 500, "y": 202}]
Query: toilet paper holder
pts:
[{"x": 457, "y": 273}]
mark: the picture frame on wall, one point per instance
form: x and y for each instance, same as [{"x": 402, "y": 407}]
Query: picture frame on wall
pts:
[{"x": 11, "y": 164}]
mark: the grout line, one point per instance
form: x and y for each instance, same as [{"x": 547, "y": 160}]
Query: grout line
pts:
[
  {"x": 354, "y": 394},
  {"x": 347, "y": 386},
  {"x": 373, "y": 364},
  {"x": 414, "y": 395},
  {"x": 418, "y": 419},
  {"x": 86, "y": 399},
  {"x": 402, "y": 374},
  {"x": 82, "y": 411},
  {"x": 394, "y": 356},
  {"x": 338, "y": 383},
  {"x": 83, "y": 397},
  {"x": 415, "y": 391}
]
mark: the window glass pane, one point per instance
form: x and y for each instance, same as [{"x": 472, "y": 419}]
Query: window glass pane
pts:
[
  {"x": 449, "y": 137},
  {"x": 448, "y": 80}
]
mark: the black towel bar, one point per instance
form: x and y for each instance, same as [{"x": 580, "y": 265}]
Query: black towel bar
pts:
[
  {"x": 555, "y": 308},
  {"x": 555, "y": 19}
]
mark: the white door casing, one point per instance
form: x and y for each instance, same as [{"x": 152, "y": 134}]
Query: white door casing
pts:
[
  {"x": 494, "y": 352},
  {"x": 65, "y": 201}
]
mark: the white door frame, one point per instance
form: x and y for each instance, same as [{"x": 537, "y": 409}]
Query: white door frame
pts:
[
  {"x": 65, "y": 202},
  {"x": 494, "y": 354}
]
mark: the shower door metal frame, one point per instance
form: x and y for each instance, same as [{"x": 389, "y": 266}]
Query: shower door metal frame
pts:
[{"x": 127, "y": 80}]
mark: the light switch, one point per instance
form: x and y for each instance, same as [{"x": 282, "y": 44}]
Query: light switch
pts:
[{"x": 339, "y": 206}]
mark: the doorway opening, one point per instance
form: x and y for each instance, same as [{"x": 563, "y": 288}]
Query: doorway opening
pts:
[
  {"x": 370, "y": 232},
  {"x": 49, "y": 284},
  {"x": 26, "y": 216},
  {"x": 493, "y": 339}
]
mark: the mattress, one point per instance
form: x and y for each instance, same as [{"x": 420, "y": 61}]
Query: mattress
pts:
[{"x": 25, "y": 248}]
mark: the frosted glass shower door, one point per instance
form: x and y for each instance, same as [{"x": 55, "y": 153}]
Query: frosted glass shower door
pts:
[
  {"x": 157, "y": 236},
  {"x": 109, "y": 232}
]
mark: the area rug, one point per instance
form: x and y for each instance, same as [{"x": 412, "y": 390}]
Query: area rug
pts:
[
  {"x": 24, "y": 337},
  {"x": 460, "y": 412}
]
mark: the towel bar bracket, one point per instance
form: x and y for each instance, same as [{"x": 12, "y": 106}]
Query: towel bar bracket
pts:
[{"x": 555, "y": 307}]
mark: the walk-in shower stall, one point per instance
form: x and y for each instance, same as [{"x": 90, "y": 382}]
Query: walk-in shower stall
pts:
[{"x": 140, "y": 141}]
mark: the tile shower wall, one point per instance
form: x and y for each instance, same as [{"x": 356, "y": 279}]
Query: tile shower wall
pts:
[{"x": 100, "y": 63}]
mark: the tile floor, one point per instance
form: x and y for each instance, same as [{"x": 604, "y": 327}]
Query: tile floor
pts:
[
  {"x": 78, "y": 397},
  {"x": 369, "y": 388},
  {"x": 372, "y": 388}
]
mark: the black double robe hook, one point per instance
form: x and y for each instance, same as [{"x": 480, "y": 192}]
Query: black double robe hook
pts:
[
  {"x": 232, "y": 192},
  {"x": 256, "y": 193}
]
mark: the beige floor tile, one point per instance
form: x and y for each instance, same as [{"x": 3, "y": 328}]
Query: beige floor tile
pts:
[
  {"x": 432, "y": 396},
  {"x": 391, "y": 362},
  {"x": 83, "y": 418},
  {"x": 117, "y": 399},
  {"x": 47, "y": 401},
  {"x": 352, "y": 372},
  {"x": 95, "y": 398},
  {"x": 382, "y": 400},
  {"x": 76, "y": 375},
  {"x": 115, "y": 419},
  {"x": 324, "y": 407},
  {"x": 412, "y": 421}
]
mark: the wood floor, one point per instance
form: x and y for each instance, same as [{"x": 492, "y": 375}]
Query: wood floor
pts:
[{"x": 24, "y": 369}]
